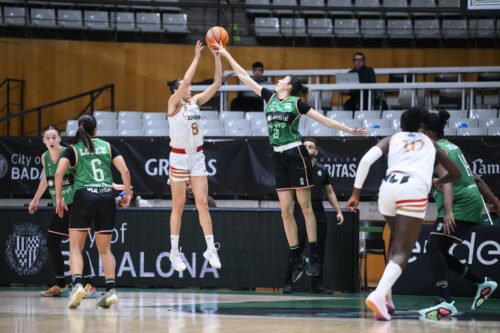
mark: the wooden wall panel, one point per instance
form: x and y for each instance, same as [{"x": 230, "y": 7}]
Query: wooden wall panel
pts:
[{"x": 55, "y": 69}]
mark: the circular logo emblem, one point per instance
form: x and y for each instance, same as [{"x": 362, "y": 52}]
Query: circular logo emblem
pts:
[
  {"x": 320, "y": 173},
  {"x": 26, "y": 250},
  {"x": 50, "y": 183},
  {"x": 4, "y": 166}
]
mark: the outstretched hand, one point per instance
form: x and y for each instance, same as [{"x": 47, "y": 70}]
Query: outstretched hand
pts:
[
  {"x": 360, "y": 131},
  {"x": 197, "y": 50},
  {"x": 216, "y": 55},
  {"x": 220, "y": 49}
]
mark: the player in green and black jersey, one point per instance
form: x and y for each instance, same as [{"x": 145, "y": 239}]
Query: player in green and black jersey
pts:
[
  {"x": 93, "y": 204},
  {"x": 58, "y": 229},
  {"x": 459, "y": 206},
  {"x": 293, "y": 170}
]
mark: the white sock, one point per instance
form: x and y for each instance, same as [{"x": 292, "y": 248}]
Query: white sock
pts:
[
  {"x": 210, "y": 241},
  {"x": 174, "y": 242},
  {"x": 391, "y": 274}
]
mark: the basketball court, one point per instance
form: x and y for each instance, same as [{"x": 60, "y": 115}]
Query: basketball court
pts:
[{"x": 166, "y": 310}]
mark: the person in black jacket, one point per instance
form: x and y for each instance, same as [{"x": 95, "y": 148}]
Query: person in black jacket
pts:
[{"x": 366, "y": 75}]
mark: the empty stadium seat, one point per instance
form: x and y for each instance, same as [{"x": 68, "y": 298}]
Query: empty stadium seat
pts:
[
  {"x": 43, "y": 17},
  {"x": 450, "y": 131},
  {"x": 123, "y": 21},
  {"x": 293, "y": 27},
  {"x": 209, "y": 115},
  {"x": 483, "y": 114},
  {"x": 373, "y": 28},
  {"x": 455, "y": 114},
  {"x": 106, "y": 124},
  {"x": 423, "y": 4},
  {"x": 320, "y": 4},
  {"x": 381, "y": 131},
  {"x": 340, "y": 3},
  {"x": 392, "y": 114},
  {"x": 237, "y": 123},
  {"x": 267, "y": 27},
  {"x": 257, "y": 122},
  {"x": 257, "y": 114},
  {"x": 449, "y": 98},
  {"x": 213, "y": 131},
  {"x": 322, "y": 131},
  {"x": 376, "y": 123},
  {"x": 463, "y": 123},
  {"x": 320, "y": 27},
  {"x": 155, "y": 124},
  {"x": 130, "y": 124},
  {"x": 211, "y": 123},
  {"x": 350, "y": 122},
  {"x": 70, "y": 18},
  {"x": 495, "y": 131},
  {"x": 72, "y": 125},
  {"x": 157, "y": 132},
  {"x": 175, "y": 23},
  {"x": 395, "y": 4},
  {"x": 148, "y": 22},
  {"x": 454, "y": 28},
  {"x": 399, "y": 28},
  {"x": 491, "y": 122},
  {"x": 427, "y": 28},
  {"x": 238, "y": 132},
  {"x": 105, "y": 132},
  {"x": 482, "y": 28},
  {"x": 261, "y": 131},
  {"x": 367, "y": 4},
  {"x": 97, "y": 20},
  {"x": 14, "y": 15},
  {"x": 471, "y": 131},
  {"x": 130, "y": 132},
  {"x": 284, "y": 3},
  {"x": 131, "y": 115},
  {"x": 231, "y": 115},
  {"x": 367, "y": 115},
  {"x": 339, "y": 114},
  {"x": 454, "y": 4},
  {"x": 347, "y": 28},
  {"x": 147, "y": 116},
  {"x": 257, "y": 11},
  {"x": 104, "y": 115}
]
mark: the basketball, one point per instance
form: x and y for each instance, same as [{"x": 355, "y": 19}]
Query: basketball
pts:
[{"x": 217, "y": 34}]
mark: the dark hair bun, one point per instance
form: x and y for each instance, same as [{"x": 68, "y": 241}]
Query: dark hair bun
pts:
[
  {"x": 444, "y": 116},
  {"x": 171, "y": 83}
]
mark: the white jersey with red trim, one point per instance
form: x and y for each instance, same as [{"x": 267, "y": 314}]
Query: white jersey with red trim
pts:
[
  {"x": 412, "y": 153},
  {"x": 186, "y": 131}
]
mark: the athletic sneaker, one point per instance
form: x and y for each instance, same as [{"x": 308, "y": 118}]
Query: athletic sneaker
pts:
[
  {"x": 90, "y": 291},
  {"x": 484, "y": 290},
  {"x": 314, "y": 266},
  {"x": 378, "y": 304},
  {"x": 390, "y": 304},
  {"x": 442, "y": 309},
  {"x": 212, "y": 257},
  {"x": 320, "y": 289},
  {"x": 176, "y": 260},
  {"x": 77, "y": 293},
  {"x": 107, "y": 299},
  {"x": 299, "y": 269},
  {"x": 56, "y": 291}
]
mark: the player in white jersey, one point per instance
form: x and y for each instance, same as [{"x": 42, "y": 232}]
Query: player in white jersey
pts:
[
  {"x": 187, "y": 161},
  {"x": 402, "y": 196}
]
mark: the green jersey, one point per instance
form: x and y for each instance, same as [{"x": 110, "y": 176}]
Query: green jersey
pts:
[
  {"x": 283, "y": 120},
  {"x": 93, "y": 170},
  {"x": 467, "y": 202},
  {"x": 68, "y": 189}
]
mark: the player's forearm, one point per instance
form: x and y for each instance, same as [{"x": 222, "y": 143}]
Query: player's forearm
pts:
[
  {"x": 218, "y": 72},
  {"x": 58, "y": 178},
  {"x": 188, "y": 76},
  {"x": 41, "y": 189},
  {"x": 448, "y": 198},
  {"x": 486, "y": 192}
]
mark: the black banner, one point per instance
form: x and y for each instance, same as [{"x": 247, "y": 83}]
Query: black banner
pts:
[
  {"x": 480, "y": 251},
  {"x": 236, "y": 167},
  {"x": 253, "y": 249}
]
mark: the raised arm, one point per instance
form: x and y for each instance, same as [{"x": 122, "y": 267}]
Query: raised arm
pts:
[
  {"x": 188, "y": 77},
  {"x": 332, "y": 123},
  {"x": 62, "y": 166},
  {"x": 205, "y": 96},
  {"x": 39, "y": 192},
  {"x": 240, "y": 72}
]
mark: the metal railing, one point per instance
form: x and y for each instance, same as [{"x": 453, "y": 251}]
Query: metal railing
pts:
[
  {"x": 8, "y": 83},
  {"x": 93, "y": 94}
]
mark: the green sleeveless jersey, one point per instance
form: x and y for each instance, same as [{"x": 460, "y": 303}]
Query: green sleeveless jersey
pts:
[
  {"x": 68, "y": 189},
  {"x": 283, "y": 120},
  {"x": 93, "y": 170},
  {"x": 467, "y": 202}
]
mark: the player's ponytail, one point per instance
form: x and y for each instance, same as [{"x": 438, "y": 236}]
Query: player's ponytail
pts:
[
  {"x": 412, "y": 118},
  {"x": 173, "y": 85},
  {"x": 85, "y": 132},
  {"x": 437, "y": 123},
  {"x": 298, "y": 88}
]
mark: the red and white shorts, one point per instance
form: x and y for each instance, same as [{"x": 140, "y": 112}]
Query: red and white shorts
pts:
[
  {"x": 402, "y": 194},
  {"x": 184, "y": 166}
]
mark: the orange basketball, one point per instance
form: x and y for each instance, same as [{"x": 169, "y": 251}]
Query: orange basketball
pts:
[{"x": 217, "y": 34}]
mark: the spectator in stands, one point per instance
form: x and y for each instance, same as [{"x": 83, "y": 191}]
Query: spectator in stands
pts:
[
  {"x": 248, "y": 100},
  {"x": 366, "y": 75}
]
